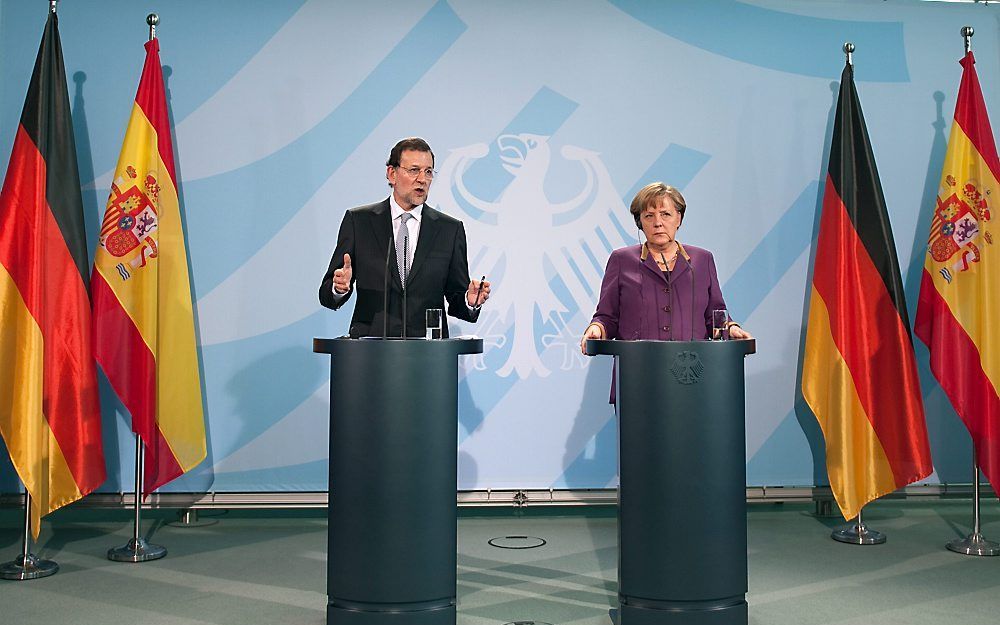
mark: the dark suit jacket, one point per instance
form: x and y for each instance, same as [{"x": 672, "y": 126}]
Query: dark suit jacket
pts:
[{"x": 440, "y": 271}]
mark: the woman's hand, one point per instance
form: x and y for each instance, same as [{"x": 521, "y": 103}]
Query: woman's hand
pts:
[
  {"x": 736, "y": 332},
  {"x": 593, "y": 331}
]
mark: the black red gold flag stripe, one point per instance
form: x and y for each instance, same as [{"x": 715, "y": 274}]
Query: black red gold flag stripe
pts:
[
  {"x": 859, "y": 373},
  {"x": 49, "y": 413}
]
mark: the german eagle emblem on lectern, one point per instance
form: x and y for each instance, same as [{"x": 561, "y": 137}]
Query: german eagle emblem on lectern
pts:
[{"x": 687, "y": 368}]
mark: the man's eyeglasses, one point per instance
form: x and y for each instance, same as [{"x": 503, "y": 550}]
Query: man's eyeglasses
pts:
[{"x": 413, "y": 172}]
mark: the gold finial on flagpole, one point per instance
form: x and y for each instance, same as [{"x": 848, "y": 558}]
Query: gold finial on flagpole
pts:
[
  {"x": 967, "y": 32},
  {"x": 849, "y": 51},
  {"x": 152, "y": 19}
]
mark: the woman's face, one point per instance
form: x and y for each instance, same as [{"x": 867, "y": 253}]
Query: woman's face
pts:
[{"x": 660, "y": 223}]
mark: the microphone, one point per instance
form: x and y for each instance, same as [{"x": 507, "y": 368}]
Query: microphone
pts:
[
  {"x": 406, "y": 271},
  {"x": 691, "y": 268},
  {"x": 664, "y": 259},
  {"x": 385, "y": 293}
]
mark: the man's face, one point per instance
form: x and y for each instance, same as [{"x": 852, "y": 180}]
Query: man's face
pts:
[{"x": 410, "y": 182}]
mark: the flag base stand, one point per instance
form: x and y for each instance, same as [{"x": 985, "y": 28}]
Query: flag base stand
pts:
[
  {"x": 24, "y": 568},
  {"x": 858, "y": 534},
  {"x": 974, "y": 545},
  {"x": 26, "y": 565},
  {"x": 136, "y": 550}
]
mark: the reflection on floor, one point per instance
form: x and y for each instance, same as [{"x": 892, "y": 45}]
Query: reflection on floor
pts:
[{"x": 268, "y": 567}]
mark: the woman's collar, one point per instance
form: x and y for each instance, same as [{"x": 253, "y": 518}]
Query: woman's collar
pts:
[{"x": 680, "y": 250}]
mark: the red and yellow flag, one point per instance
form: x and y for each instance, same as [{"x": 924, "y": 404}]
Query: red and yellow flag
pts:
[
  {"x": 958, "y": 314},
  {"x": 49, "y": 413},
  {"x": 143, "y": 321},
  {"x": 859, "y": 375}
]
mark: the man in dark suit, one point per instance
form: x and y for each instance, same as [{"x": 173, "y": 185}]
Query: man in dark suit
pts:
[{"x": 415, "y": 241}]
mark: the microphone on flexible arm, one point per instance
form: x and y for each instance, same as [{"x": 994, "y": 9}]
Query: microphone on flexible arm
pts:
[
  {"x": 406, "y": 271},
  {"x": 385, "y": 293},
  {"x": 664, "y": 260},
  {"x": 691, "y": 269}
]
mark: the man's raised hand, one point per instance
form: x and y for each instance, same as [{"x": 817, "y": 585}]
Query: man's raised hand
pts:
[{"x": 342, "y": 276}]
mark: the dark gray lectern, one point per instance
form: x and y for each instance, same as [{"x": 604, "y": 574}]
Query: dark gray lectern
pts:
[
  {"x": 682, "y": 536},
  {"x": 393, "y": 478}
]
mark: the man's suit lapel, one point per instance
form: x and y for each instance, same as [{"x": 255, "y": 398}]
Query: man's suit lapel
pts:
[
  {"x": 429, "y": 228},
  {"x": 382, "y": 228}
]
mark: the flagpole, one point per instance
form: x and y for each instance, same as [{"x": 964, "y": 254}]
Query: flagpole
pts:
[
  {"x": 856, "y": 533},
  {"x": 138, "y": 549},
  {"x": 974, "y": 544},
  {"x": 27, "y": 565}
]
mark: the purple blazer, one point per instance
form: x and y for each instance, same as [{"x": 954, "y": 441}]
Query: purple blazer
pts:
[{"x": 638, "y": 302}]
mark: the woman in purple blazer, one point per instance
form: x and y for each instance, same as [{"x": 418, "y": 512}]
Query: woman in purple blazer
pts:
[{"x": 659, "y": 290}]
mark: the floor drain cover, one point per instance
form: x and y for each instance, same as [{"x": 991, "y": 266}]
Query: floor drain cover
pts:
[
  {"x": 518, "y": 542},
  {"x": 527, "y": 623}
]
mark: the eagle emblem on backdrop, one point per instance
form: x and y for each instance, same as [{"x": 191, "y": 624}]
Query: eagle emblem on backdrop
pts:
[
  {"x": 550, "y": 254},
  {"x": 130, "y": 221},
  {"x": 958, "y": 227}
]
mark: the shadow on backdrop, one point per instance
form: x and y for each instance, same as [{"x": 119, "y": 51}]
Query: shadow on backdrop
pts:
[
  {"x": 803, "y": 413},
  {"x": 951, "y": 445}
]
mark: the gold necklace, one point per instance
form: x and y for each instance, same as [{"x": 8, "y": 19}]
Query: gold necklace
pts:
[{"x": 669, "y": 260}]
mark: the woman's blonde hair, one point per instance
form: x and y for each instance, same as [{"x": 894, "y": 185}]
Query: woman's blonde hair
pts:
[{"x": 651, "y": 194}]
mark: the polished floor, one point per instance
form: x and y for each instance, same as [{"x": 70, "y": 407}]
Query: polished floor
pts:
[{"x": 268, "y": 567}]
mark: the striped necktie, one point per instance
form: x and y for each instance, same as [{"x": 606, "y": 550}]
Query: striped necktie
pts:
[{"x": 403, "y": 246}]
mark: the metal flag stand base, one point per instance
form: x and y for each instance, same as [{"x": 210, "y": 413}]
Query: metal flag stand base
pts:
[
  {"x": 28, "y": 568},
  {"x": 974, "y": 544},
  {"x": 858, "y": 534},
  {"x": 27, "y": 565},
  {"x": 137, "y": 549}
]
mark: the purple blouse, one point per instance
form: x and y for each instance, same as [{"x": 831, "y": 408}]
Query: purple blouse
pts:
[{"x": 639, "y": 302}]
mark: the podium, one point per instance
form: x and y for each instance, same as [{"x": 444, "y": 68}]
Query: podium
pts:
[
  {"x": 682, "y": 538},
  {"x": 393, "y": 478}
]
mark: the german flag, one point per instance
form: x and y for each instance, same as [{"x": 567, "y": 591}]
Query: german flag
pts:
[
  {"x": 143, "y": 316},
  {"x": 49, "y": 412},
  {"x": 859, "y": 374},
  {"x": 958, "y": 313}
]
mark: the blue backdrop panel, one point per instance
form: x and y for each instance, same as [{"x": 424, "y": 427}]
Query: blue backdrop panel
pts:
[{"x": 546, "y": 117}]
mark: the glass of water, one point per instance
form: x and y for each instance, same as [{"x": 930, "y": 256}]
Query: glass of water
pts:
[
  {"x": 720, "y": 325},
  {"x": 434, "y": 318}
]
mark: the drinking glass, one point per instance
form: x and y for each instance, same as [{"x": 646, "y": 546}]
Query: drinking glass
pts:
[
  {"x": 433, "y": 317},
  {"x": 720, "y": 323}
]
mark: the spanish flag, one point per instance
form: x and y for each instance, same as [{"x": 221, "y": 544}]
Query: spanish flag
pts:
[
  {"x": 49, "y": 413},
  {"x": 143, "y": 320},
  {"x": 958, "y": 313},
  {"x": 859, "y": 375}
]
